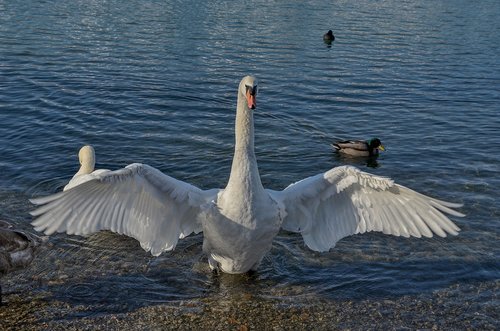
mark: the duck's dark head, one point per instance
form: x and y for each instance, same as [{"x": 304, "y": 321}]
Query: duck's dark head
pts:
[{"x": 375, "y": 145}]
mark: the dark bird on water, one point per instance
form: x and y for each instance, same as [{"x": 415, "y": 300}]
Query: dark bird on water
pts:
[{"x": 329, "y": 37}]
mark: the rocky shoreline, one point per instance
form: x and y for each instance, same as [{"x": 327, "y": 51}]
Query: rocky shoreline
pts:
[{"x": 459, "y": 307}]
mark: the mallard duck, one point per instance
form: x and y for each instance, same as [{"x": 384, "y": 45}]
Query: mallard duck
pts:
[
  {"x": 329, "y": 37},
  {"x": 239, "y": 222},
  {"x": 16, "y": 248},
  {"x": 359, "y": 147}
]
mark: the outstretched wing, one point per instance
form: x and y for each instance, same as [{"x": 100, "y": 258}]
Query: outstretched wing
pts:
[
  {"x": 344, "y": 201},
  {"x": 138, "y": 201}
]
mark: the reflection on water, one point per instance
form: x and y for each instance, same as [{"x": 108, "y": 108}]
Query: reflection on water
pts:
[{"x": 358, "y": 161}]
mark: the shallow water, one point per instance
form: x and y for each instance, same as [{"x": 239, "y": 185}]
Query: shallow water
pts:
[{"x": 155, "y": 82}]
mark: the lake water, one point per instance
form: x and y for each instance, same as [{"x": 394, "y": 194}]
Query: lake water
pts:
[{"x": 155, "y": 82}]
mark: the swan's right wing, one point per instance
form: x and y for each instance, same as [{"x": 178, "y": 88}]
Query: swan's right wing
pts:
[{"x": 138, "y": 201}]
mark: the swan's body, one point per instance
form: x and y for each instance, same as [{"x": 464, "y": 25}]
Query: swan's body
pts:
[{"x": 240, "y": 221}]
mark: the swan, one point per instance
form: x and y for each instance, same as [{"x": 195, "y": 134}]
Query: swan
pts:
[
  {"x": 359, "y": 147},
  {"x": 240, "y": 221},
  {"x": 86, "y": 156}
]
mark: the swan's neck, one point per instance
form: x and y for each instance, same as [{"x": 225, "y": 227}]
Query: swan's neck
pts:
[
  {"x": 244, "y": 171},
  {"x": 244, "y": 127},
  {"x": 85, "y": 169}
]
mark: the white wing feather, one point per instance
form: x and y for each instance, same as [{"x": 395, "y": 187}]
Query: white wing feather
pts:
[
  {"x": 345, "y": 201},
  {"x": 138, "y": 201}
]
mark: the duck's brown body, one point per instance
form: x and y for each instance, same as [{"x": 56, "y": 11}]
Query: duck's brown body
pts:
[{"x": 359, "y": 147}]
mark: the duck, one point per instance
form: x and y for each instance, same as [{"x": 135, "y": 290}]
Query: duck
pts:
[
  {"x": 359, "y": 147},
  {"x": 329, "y": 37},
  {"x": 86, "y": 157},
  {"x": 17, "y": 249},
  {"x": 240, "y": 221}
]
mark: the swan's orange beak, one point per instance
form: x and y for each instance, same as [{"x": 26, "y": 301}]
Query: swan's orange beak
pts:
[{"x": 251, "y": 99}]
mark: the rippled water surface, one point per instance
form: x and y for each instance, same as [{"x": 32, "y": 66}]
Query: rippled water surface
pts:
[{"x": 155, "y": 82}]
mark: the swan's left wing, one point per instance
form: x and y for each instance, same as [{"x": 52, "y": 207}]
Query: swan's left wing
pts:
[
  {"x": 138, "y": 201},
  {"x": 345, "y": 201}
]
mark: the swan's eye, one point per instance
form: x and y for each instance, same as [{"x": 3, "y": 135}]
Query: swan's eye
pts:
[{"x": 251, "y": 90}]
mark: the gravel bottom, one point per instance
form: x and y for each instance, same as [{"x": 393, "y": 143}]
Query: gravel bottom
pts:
[{"x": 460, "y": 307}]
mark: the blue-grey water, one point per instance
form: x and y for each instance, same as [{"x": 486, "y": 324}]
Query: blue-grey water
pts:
[{"x": 155, "y": 82}]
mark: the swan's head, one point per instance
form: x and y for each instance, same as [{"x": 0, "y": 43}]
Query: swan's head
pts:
[
  {"x": 248, "y": 89},
  {"x": 86, "y": 155}
]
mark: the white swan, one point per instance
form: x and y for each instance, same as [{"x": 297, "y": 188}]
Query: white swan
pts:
[
  {"x": 86, "y": 156},
  {"x": 240, "y": 221}
]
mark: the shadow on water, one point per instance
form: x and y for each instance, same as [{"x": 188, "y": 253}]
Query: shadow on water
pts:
[
  {"x": 284, "y": 276},
  {"x": 110, "y": 273},
  {"x": 124, "y": 293}
]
